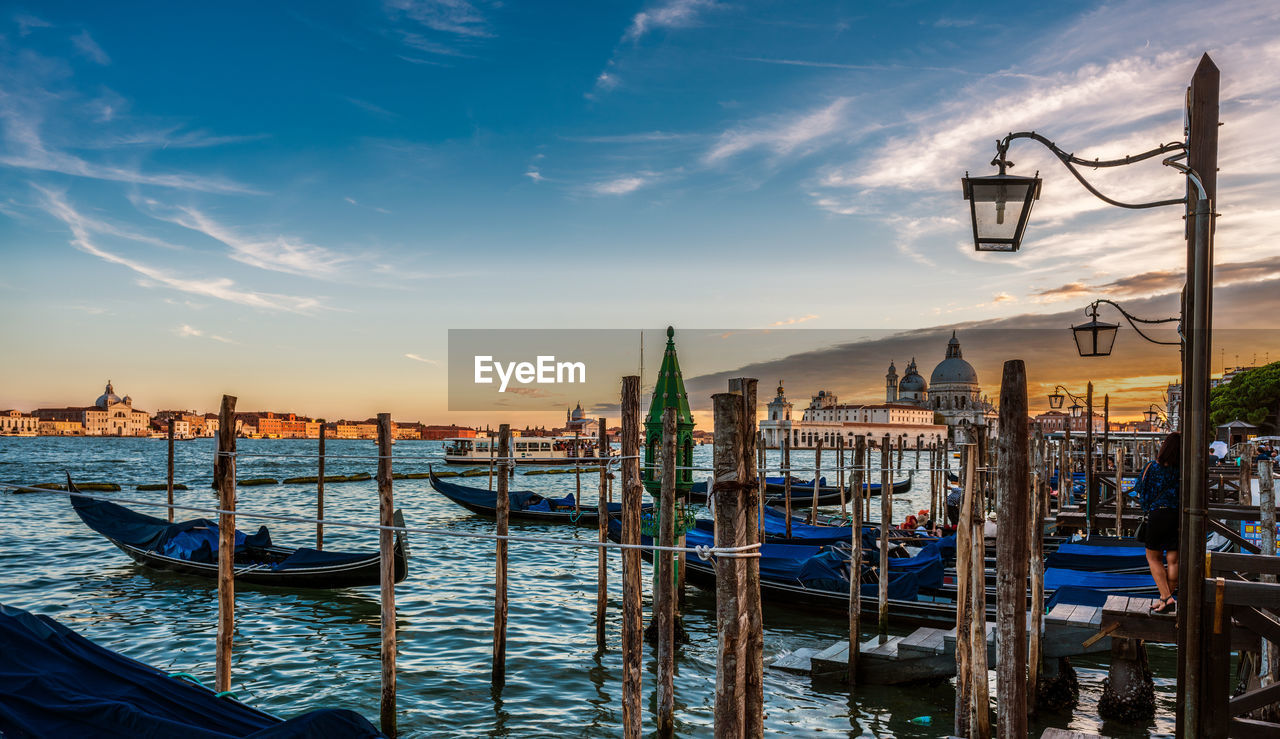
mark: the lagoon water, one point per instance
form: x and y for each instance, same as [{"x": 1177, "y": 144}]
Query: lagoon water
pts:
[{"x": 300, "y": 650}]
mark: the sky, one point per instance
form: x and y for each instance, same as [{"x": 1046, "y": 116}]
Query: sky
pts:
[{"x": 294, "y": 202}]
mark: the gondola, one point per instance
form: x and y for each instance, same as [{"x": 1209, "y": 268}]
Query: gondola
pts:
[
  {"x": 526, "y": 505},
  {"x": 190, "y": 547},
  {"x": 802, "y": 491}
]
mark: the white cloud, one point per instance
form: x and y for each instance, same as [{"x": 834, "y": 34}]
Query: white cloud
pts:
[
  {"x": 621, "y": 185},
  {"x": 26, "y": 22},
  {"x": 87, "y": 46},
  {"x": 424, "y": 360},
  {"x": 781, "y": 135},
  {"x": 221, "y": 288},
  {"x": 535, "y": 175},
  {"x": 186, "y": 331},
  {"x": 278, "y": 253},
  {"x": 672, "y": 14},
  {"x": 794, "y": 321}
]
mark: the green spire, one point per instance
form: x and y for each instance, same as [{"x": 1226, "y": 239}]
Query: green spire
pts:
[{"x": 669, "y": 392}]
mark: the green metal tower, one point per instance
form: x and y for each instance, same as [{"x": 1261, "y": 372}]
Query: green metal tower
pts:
[{"x": 669, "y": 393}]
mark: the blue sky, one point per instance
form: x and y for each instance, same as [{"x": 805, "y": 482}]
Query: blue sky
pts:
[{"x": 295, "y": 202}]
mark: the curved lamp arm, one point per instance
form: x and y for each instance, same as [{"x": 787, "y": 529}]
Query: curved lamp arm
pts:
[
  {"x": 1071, "y": 395},
  {"x": 1133, "y": 320},
  {"x": 1070, "y": 161}
]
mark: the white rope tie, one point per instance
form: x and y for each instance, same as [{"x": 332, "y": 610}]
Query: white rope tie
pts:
[{"x": 748, "y": 551}]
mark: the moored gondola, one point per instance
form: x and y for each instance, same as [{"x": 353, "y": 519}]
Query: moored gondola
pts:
[
  {"x": 526, "y": 505},
  {"x": 191, "y": 548},
  {"x": 802, "y": 491}
]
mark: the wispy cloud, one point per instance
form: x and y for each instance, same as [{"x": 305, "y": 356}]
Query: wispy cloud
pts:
[
  {"x": 422, "y": 359},
  {"x": 458, "y": 17},
  {"x": 621, "y": 185},
  {"x": 87, "y": 46},
  {"x": 794, "y": 321},
  {"x": 534, "y": 175},
  {"x": 26, "y": 22},
  {"x": 186, "y": 331},
  {"x": 367, "y": 106},
  {"x": 279, "y": 253},
  {"x": 781, "y": 135},
  {"x": 220, "y": 288},
  {"x": 671, "y": 14}
]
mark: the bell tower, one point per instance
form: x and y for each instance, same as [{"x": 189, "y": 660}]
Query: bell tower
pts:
[{"x": 891, "y": 384}]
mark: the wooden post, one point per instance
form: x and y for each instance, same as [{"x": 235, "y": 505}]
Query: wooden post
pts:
[
  {"x": 320, "y": 494},
  {"x": 492, "y": 452},
  {"x": 855, "y": 562},
  {"x": 577, "y": 477},
  {"x": 762, "y": 469},
  {"x": 387, "y": 571},
  {"x": 980, "y": 711},
  {"x": 602, "y": 560},
  {"x": 1120, "y": 496},
  {"x": 1245, "y": 482},
  {"x": 964, "y": 604},
  {"x": 665, "y": 606},
  {"x": 886, "y": 517},
  {"x": 169, "y": 478},
  {"x": 817, "y": 475},
  {"x": 1039, "y": 509},
  {"x": 1066, "y": 484},
  {"x": 1090, "y": 490},
  {"x": 1267, "y": 504},
  {"x": 503, "y": 500},
  {"x": 786, "y": 480},
  {"x": 840, "y": 472},
  {"x": 1106, "y": 440},
  {"x": 1012, "y": 553},
  {"x": 226, "y": 484},
  {"x": 752, "y": 640},
  {"x": 632, "y": 618},
  {"x": 728, "y": 485}
]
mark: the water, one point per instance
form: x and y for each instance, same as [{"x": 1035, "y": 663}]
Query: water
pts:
[{"x": 300, "y": 650}]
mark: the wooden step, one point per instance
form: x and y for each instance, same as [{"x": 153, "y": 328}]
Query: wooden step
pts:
[{"x": 925, "y": 642}]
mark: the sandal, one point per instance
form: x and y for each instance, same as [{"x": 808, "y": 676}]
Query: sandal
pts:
[{"x": 1168, "y": 605}]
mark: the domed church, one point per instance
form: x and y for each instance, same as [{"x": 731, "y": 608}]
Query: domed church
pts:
[{"x": 952, "y": 391}]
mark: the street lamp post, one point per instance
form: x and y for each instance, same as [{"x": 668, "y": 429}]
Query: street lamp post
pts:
[
  {"x": 1055, "y": 401},
  {"x": 994, "y": 229}
]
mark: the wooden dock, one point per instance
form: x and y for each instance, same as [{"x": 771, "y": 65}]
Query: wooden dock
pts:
[{"x": 930, "y": 654}]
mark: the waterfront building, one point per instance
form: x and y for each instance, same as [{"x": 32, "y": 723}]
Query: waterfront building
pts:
[
  {"x": 826, "y": 419},
  {"x": 17, "y": 423},
  {"x": 1057, "y": 421},
  {"x": 60, "y": 428},
  {"x": 577, "y": 422},
  {"x": 110, "y": 415},
  {"x": 439, "y": 432}
]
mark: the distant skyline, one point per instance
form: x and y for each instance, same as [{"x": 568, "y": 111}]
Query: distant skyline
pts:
[{"x": 294, "y": 202}]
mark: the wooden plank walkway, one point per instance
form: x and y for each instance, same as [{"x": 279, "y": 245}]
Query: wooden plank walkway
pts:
[
  {"x": 1132, "y": 618},
  {"x": 929, "y": 653}
]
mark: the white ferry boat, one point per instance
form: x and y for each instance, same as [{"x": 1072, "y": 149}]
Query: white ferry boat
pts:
[{"x": 534, "y": 450}]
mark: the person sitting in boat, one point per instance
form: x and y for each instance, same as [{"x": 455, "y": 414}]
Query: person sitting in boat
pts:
[{"x": 1159, "y": 496}]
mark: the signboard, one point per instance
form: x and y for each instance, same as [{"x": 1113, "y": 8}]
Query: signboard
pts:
[{"x": 1252, "y": 530}]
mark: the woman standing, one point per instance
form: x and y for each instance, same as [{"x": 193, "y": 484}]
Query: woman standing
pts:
[{"x": 1158, "y": 494}]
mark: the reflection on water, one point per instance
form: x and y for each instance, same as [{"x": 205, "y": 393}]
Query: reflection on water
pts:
[{"x": 299, "y": 650}]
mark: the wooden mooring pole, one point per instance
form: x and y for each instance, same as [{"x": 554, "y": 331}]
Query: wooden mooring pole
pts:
[
  {"x": 632, "y": 619},
  {"x": 840, "y": 477},
  {"x": 1012, "y": 553},
  {"x": 665, "y": 607},
  {"x": 786, "y": 480},
  {"x": 1039, "y": 510},
  {"x": 387, "y": 576},
  {"x": 855, "y": 562},
  {"x": 886, "y": 517},
  {"x": 964, "y": 666},
  {"x": 817, "y": 475},
  {"x": 226, "y": 484},
  {"x": 320, "y": 494},
  {"x": 728, "y": 485},
  {"x": 980, "y": 704},
  {"x": 602, "y": 560},
  {"x": 751, "y": 617},
  {"x": 503, "y": 499},
  {"x": 1267, "y": 504},
  {"x": 168, "y": 486}
]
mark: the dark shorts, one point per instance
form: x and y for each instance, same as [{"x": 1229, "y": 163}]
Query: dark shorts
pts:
[{"x": 1162, "y": 530}]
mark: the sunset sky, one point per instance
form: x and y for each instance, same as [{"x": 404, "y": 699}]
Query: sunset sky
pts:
[{"x": 294, "y": 203}]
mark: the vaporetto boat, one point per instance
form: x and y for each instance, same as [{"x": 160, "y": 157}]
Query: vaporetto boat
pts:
[{"x": 530, "y": 450}]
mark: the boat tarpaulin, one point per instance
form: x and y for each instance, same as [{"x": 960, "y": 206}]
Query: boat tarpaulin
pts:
[
  {"x": 1079, "y": 556},
  {"x": 54, "y": 682},
  {"x": 1055, "y": 578}
]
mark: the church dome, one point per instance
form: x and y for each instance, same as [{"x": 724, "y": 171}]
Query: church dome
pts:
[
  {"x": 953, "y": 369},
  {"x": 912, "y": 381},
  {"x": 107, "y": 397}
]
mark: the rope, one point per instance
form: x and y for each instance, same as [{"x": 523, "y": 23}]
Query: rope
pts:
[{"x": 746, "y": 552}]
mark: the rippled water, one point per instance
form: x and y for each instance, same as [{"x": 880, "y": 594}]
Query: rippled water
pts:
[{"x": 299, "y": 650}]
